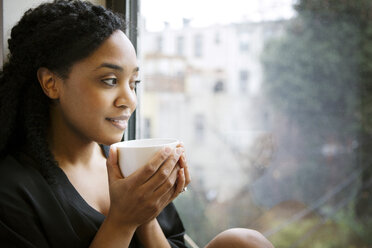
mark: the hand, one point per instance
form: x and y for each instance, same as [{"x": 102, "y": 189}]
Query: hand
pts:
[
  {"x": 140, "y": 197},
  {"x": 150, "y": 233},
  {"x": 184, "y": 174}
]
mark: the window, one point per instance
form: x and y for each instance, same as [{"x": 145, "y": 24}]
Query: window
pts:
[
  {"x": 244, "y": 39},
  {"x": 180, "y": 45},
  {"x": 147, "y": 128},
  {"x": 198, "y": 46},
  {"x": 243, "y": 45},
  {"x": 159, "y": 43},
  {"x": 199, "y": 127},
  {"x": 291, "y": 158},
  {"x": 217, "y": 38},
  {"x": 218, "y": 87},
  {"x": 243, "y": 81}
]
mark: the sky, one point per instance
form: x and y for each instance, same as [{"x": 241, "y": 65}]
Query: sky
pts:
[{"x": 208, "y": 12}]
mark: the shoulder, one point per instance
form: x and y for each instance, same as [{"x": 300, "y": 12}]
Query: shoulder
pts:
[
  {"x": 21, "y": 183},
  {"x": 18, "y": 173},
  {"x": 22, "y": 190},
  {"x": 10, "y": 164},
  {"x": 24, "y": 193}
]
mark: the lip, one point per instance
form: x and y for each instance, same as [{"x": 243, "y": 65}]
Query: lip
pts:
[
  {"x": 120, "y": 122},
  {"x": 119, "y": 118}
]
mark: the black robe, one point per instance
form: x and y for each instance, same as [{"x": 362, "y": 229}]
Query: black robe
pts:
[{"x": 36, "y": 214}]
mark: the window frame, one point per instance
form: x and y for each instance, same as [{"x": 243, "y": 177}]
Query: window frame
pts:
[
  {"x": 130, "y": 10},
  {"x": 2, "y": 48}
]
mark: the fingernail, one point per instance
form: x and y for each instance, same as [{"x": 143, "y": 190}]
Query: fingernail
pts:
[
  {"x": 183, "y": 158},
  {"x": 178, "y": 151},
  {"x": 167, "y": 150}
]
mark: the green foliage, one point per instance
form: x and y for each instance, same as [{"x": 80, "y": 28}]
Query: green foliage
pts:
[
  {"x": 343, "y": 230},
  {"x": 318, "y": 74},
  {"x": 356, "y": 231},
  {"x": 358, "y": 10},
  {"x": 291, "y": 233},
  {"x": 311, "y": 74}
]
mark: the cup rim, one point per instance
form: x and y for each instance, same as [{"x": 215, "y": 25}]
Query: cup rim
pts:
[{"x": 132, "y": 143}]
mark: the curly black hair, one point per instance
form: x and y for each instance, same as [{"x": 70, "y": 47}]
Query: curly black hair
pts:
[{"x": 53, "y": 35}]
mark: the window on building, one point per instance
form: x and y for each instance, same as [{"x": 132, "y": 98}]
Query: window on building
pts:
[
  {"x": 159, "y": 44},
  {"x": 218, "y": 87},
  {"x": 198, "y": 45},
  {"x": 199, "y": 127},
  {"x": 147, "y": 128},
  {"x": 180, "y": 45},
  {"x": 217, "y": 38},
  {"x": 243, "y": 81},
  {"x": 243, "y": 46}
]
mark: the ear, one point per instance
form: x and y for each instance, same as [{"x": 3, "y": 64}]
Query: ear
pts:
[{"x": 49, "y": 82}]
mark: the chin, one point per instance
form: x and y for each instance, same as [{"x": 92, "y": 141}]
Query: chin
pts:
[{"x": 110, "y": 140}]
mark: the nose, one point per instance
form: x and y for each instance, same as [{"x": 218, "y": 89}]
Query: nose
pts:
[{"x": 126, "y": 98}]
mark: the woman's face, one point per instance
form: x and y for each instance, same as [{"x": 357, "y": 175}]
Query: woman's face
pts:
[{"x": 98, "y": 97}]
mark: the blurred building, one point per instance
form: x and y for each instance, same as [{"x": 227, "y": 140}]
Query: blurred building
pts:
[{"x": 202, "y": 85}]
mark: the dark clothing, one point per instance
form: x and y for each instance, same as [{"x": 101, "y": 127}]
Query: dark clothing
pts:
[{"x": 36, "y": 214}]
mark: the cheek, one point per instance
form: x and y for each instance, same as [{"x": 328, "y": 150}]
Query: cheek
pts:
[
  {"x": 95, "y": 106},
  {"x": 98, "y": 102},
  {"x": 85, "y": 103}
]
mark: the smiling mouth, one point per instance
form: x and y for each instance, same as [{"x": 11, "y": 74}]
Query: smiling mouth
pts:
[{"x": 120, "y": 124}]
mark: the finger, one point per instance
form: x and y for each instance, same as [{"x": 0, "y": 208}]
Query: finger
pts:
[
  {"x": 187, "y": 174},
  {"x": 167, "y": 189},
  {"x": 113, "y": 169},
  {"x": 164, "y": 171},
  {"x": 183, "y": 161},
  {"x": 180, "y": 184},
  {"x": 180, "y": 145},
  {"x": 146, "y": 172}
]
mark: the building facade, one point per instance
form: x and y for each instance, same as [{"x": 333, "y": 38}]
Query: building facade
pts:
[{"x": 202, "y": 85}]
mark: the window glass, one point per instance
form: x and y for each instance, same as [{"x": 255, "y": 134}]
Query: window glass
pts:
[
  {"x": 272, "y": 100},
  {"x": 243, "y": 80},
  {"x": 180, "y": 45},
  {"x": 198, "y": 45}
]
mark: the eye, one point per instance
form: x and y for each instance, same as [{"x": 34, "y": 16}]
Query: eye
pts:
[
  {"x": 133, "y": 84},
  {"x": 109, "y": 81}
]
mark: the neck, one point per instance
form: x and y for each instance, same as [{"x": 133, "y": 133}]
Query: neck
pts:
[{"x": 68, "y": 146}]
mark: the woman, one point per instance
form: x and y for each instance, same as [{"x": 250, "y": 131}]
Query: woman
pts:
[{"x": 66, "y": 94}]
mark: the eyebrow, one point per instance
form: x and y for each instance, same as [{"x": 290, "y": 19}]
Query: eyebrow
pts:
[
  {"x": 115, "y": 67},
  {"x": 111, "y": 66}
]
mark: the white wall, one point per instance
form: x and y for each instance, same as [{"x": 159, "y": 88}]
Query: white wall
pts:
[{"x": 13, "y": 11}]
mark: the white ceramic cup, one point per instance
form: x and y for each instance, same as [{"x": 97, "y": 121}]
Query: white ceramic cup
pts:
[{"x": 134, "y": 154}]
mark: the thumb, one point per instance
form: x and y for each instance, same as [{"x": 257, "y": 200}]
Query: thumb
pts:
[{"x": 113, "y": 169}]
